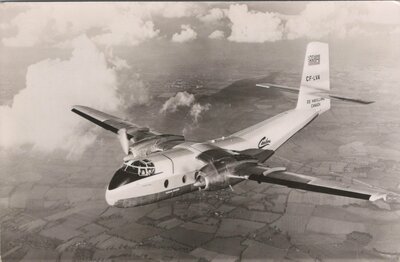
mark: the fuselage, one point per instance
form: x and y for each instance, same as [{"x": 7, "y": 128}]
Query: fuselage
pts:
[
  {"x": 172, "y": 172},
  {"x": 159, "y": 176}
]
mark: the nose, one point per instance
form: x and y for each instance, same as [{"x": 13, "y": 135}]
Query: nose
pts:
[
  {"x": 110, "y": 197},
  {"x": 120, "y": 178}
]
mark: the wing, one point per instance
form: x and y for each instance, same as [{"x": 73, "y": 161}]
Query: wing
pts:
[
  {"x": 112, "y": 123},
  {"x": 280, "y": 176}
]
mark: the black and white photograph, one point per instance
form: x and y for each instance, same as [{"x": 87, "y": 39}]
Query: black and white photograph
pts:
[{"x": 200, "y": 131}]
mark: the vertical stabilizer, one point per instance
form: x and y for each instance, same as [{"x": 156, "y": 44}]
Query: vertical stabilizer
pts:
[{"x": 315, "y": 78}]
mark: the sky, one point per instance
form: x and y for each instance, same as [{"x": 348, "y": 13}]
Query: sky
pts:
[
  {"x": 115, "y": 24},
  {"x": 87, "y": 37}
]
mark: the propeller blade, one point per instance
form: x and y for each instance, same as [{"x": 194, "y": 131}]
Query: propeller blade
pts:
[{"x": 123, "y": 140}]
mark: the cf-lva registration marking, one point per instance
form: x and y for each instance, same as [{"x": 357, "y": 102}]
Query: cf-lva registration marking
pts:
[{"x": 313, "y": 78}]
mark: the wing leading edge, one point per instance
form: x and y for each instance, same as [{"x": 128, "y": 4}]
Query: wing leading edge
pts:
[
  {"x": 280, "y": 176},
  {"x": 112, "y": 123}
]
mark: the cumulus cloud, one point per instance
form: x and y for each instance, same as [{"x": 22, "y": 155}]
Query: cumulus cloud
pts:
[
  {"x": 197, "y": 109},
  {"x": 185, "y": 99},
  {"x": 381, "y": 13},
  {"x": 252, "y": 26},
  {"x": 131, "y": 89},
  {"x": 40, "y": 114},
  {"x": 127, "y": 30},
  {"x": 217, "y": 34},
  {"x": 174, "y": 9},
  {"x": 214, "y": 15},
  {"x": 108, "y": 23},
  {"x": 54, "y": 24},
  {"x": 341, "y": 19},
  {"x": 187, "y": 34},
  {"x": 179, "y": 100}
]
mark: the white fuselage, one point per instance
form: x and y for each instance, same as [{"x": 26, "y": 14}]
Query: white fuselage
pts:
[{"x": 175, "y": 168}]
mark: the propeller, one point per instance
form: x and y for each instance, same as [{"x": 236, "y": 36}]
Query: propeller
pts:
[{"x": 123, "y": 140}]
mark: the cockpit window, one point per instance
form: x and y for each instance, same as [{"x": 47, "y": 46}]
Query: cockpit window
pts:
[
  {"x": 140, "y": 167},
  {"x": 132, "y": 171}
]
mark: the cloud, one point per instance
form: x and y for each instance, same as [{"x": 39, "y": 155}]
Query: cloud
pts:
[
  {"x": 174, "y": 10},
  {"x": 187, "y": 34},
  {"x": 197, "y": 109},
  {"x": 108, "y": 23},
  {"x": 179, "y": 100},
  {"x": 217, "y": 34},
  {"x": 342, "y": 19},
  {"x": 127, "y": 30},
  {"x": 131, "y": 89},
  {"x": 213, "y": 15},
  {"x": 121, "y": 23},
  {"x": 40, "y": 114},
  {"x": 382, "y": 13},
  {"x": 185, "y": 99},
  {"x": 252, "y": 26}
]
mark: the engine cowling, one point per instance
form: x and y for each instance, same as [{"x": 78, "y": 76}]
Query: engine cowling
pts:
[
  {"x": 219, "y": 174},
  {"x": 208, "y": 178},
  {"x": 153, "y": 144}
]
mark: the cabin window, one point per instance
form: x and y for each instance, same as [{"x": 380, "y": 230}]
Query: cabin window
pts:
[
  {"x": 166, "y": 183},
  {"x": 184, "y": 179}
]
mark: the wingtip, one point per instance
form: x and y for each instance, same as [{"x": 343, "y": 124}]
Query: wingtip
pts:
[
  {"x": 263, "y": 85},
  {"x": 75, "y": 107},
  {"x": 78, "y": 108},
  {"x": 375, "y": 197}
]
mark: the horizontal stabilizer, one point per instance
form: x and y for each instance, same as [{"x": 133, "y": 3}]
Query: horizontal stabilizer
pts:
[{"x": 317, "y": 92}]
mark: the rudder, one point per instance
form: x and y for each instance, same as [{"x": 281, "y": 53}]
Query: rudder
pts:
[{"x": 315, "y": 78}]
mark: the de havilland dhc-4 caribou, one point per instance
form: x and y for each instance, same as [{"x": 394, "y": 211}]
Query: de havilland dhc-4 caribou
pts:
[{"x": 161, "y": 166}]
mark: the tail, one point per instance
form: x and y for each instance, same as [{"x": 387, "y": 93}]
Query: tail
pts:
[
  {"x": 314, "y": 89},
  {"x": 315, "y": 78}
]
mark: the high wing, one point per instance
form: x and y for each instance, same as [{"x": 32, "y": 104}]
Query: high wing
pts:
[
  {"x": 280, "y": 176},
  {"x": 145, "y": 141},
  {"x": 113, "y": 123}
]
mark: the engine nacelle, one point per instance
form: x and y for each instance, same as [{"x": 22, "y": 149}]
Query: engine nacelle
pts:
[
  {"x": 153, "y": 144},
  {"x": 211, "y": 181},
  {"x": 218, "y": 175}
]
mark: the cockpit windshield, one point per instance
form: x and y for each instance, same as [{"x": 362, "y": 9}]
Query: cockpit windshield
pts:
[
  {"x": 132, "y": 171},
  {"x": 142, "y": 167}
]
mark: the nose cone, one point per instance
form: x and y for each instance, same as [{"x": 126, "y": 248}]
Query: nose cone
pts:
[
  {"x": 110, "y": 197},
  {"x": 120, "y": 178}
]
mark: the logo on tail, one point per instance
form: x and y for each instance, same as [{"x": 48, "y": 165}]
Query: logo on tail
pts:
[{"x": 313, "y": 59}]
